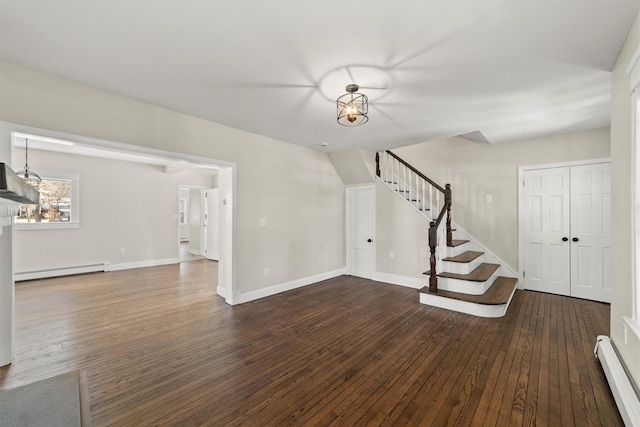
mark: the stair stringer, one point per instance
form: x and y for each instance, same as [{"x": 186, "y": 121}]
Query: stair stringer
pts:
[{"x": 475, "y": 245}]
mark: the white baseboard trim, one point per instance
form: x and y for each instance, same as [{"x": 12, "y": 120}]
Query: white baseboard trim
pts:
[
  {"x": 620, "y": 382},
  {"x": 141, "y": 264},
  {"x": 89, "y": 268},
  {"x": 395, "y": 279},
  {"x": 241, "y": 298},
  {"x": 60, "y": 271},
  {"x": 222, "y": 292}
]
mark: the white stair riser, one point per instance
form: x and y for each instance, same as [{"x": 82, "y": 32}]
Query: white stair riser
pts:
[
  {"x": 465, "y": 286},
  {"x": 461, "y": 267},
  {"x": 456, "y": 250},
  {"x": 480, "y": 310}
]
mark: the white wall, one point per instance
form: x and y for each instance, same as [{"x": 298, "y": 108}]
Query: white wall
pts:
[
  {"x": 296, "y": 189},
  {"x": 354, "y": 165},
  {"x": 122, "y": 205},
  {"x": 6, "y": 274},
  {"x": 400, "y": 229},
  {"x": 476, "y": 169},
  {"x": 621, "y": 157}
]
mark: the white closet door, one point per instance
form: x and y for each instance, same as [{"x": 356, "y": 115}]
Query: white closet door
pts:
[
  {"x": 360, "y": 223},
  {"x": 546, "y": 216},
  {"x": 591, "y": 232}
]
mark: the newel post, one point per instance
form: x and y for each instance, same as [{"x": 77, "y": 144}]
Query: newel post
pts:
[
  {"x": 447, "y": 201},
  {"x": 378, "y": 164},
  {"x": 433, "y": 243}
]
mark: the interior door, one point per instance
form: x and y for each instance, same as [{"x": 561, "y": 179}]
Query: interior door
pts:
[
  {"x": 547, "y": 220},
  {"x": 591, "y": 232},
  {"x": 211, "y": 221},
  {"x": 567, "y": 239},
  {"x": 360, "y": 223}
]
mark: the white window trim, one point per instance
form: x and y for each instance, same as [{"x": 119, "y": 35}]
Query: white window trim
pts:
[
  {"x": 633, "y": 70},
  {"x": 75, "y": 204}
]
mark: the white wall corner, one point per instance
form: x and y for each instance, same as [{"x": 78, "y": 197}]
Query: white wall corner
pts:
[{"x": 222, "y": 292}]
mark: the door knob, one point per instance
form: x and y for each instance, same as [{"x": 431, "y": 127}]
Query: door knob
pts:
[
  {"x": 369, "y": 240},
  {"x": 575, "y": 239},
  {"x": 564, "y": 239}
]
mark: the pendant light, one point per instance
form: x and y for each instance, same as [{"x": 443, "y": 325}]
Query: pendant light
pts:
[
  {"x": 353, "y": 107},
  {"x": 27, "y": 176}
]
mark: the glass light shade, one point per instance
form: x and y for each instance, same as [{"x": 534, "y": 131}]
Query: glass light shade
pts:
[{"x": 30, "y": 178}]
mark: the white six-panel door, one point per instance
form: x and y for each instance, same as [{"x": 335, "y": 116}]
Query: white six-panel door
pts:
[
  {"x": 591, "y": 232},
  {"x": 360, "y": 230},
  {"x": 547, "y": 255},
  {"x": 567, "y": 231}
]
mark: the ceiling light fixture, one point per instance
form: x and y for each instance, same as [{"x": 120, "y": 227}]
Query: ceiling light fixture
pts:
[
  {"x": 30, "y": 178},
  {"x": 353, "y": 107}
]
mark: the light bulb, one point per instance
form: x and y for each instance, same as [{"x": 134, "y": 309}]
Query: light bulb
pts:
[{"x": 352, "y": 112}]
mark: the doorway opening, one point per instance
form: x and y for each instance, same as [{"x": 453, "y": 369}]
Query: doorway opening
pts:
[
  {"x": 59, "y": 142},
  {"x": 191, "y": 225}
]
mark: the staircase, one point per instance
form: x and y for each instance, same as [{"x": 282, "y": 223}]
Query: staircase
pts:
[{"x": 464, "y": 276}]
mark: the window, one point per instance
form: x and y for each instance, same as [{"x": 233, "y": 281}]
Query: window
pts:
[
  {"x": 59, "y": 204},
  {"x": 633, "y": 322},
  {"x": 633, "y": 69}
]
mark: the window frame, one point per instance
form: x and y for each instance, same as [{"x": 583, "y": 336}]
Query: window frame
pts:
[
  {"x": 633, "y": 70},
  {"x": 74, "y": 221}
]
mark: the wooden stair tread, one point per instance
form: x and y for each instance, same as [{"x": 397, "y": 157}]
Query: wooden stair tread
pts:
[
  {"x": 455, "y": 243},
  {"x": 499, "y": 292},
  {"x": 479, "y": 274},
  {"x": 464, "y": 257}
]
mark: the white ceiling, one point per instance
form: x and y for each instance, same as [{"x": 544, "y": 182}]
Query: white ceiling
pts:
[{"x": 496, "y": 70}]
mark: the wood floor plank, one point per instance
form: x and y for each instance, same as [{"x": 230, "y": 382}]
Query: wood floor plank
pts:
[
  {"x": 540, "y": 399},
  {"x": 499, "y": 364},
  {"x": 512, "y": 401},
  {"x": 161, "y": 348},
  {"x": 527, "y": 388}
]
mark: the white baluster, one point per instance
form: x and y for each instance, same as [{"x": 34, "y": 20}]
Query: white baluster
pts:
[
  {"x": 423, "y": 194},
  {"x": 397, "y": 173},
  {"x": 431, "y": 200},
  {"x": 386, "y": 166},
  {"x": 404, "y": 178}
]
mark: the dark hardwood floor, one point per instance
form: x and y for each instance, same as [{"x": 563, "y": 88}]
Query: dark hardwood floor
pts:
[{"x": 161, "y": 348}]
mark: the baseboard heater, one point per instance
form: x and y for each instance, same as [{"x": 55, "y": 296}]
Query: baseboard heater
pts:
[
  {"x": 620, "y": 382},
  {"x": 61, "y": 271}
]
